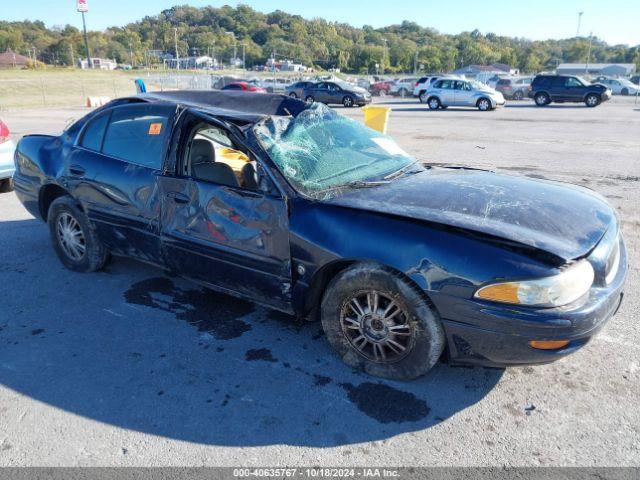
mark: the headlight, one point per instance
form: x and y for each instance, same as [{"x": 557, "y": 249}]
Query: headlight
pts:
[{"x": 555, "y": 291}]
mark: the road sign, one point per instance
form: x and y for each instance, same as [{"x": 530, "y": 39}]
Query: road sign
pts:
[{"x": 82, "y": 6}]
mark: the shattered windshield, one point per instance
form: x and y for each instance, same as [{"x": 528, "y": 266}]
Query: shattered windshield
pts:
[{"x": 321, "y": 150}]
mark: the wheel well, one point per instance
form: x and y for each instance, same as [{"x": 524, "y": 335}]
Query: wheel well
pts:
[
  {"x": 327, "y": 273},
  {"x": 318, "y": 285},
  {"x": 48, "y": 193}
]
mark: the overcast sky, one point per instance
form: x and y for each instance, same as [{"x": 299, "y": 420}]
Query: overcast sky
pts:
[{"x": 615, "y": 21}]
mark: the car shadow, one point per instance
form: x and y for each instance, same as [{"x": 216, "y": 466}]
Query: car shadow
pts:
[
  {"x": 140, "y": 350},
  {"x": 553, "y": 105}
]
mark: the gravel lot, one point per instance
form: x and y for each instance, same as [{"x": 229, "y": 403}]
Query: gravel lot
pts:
[{"x": 129, "y": 367}]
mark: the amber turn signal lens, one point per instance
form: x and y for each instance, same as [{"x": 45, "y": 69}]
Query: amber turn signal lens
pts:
[
  {"x": 549, "y": 344},
  {"x": 501, "y": 292}
]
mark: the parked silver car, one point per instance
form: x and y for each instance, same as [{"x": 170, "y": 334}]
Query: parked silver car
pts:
[{"x": 458, "y": 92}]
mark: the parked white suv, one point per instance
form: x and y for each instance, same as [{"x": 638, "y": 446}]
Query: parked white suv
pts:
[{"x": 403, "y": 87}]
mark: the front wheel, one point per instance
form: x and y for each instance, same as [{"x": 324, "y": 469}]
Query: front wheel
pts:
[
  {"x": 592, "y": 100},
  {"x": 542, "y": 99},
  {"x": 379, "y": 323},
  {"x": 434, "y": 103},
  {"x": 347, "y": 101},
  {"x": 518, "y": 95},
  {"x": 6, "y": 185},
  {"x": 74, "y": 240},
  {"x": 484, "y": 105}
]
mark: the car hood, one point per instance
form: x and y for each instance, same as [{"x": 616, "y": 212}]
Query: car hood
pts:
[
  {"x": 564, "y": 220},
  {"x": 359, "y": 90}
]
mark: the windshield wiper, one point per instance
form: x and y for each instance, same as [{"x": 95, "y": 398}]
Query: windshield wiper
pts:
[
  {"x": 354, "y": 184},
  {"x": 397, "y": 173}
]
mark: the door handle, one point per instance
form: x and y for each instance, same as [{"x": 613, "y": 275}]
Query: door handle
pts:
[
  {"x": 178, "y": 197},
  {"x": 77, "y": 170}
]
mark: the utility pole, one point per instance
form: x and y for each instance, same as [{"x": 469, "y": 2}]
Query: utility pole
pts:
[
  {"x": 86, "y": 42},
  {"x": 415, "y": 62},
  {"x": 175, "y": 40},
  {"x": 586, "y": 67},
  {"x": 579, "y": 21},
  {"x": 73, "y": 61}
]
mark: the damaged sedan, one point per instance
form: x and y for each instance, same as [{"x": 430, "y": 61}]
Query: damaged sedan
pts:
[{"x": 298, "y": 208}]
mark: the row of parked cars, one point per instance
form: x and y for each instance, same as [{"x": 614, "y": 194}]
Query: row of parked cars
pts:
[{"x": 448, "y": 90}]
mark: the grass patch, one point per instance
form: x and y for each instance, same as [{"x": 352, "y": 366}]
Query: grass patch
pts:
[{"x": 61, "y": 87}]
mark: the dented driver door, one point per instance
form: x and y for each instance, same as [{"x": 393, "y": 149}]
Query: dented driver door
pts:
[{"x": 232, "y": 238}]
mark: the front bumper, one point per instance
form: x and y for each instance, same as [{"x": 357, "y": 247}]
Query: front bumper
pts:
[
  {"x": 363, "y": 101},
  {"x": 7, "y": 166},
  {"x": 493, "y": 335}
]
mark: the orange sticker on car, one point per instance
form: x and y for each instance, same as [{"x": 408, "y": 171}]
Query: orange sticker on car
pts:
[{"x": 155, "y": 129}]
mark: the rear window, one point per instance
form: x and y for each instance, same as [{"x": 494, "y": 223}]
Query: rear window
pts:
[
  {"x": 504, "y": 82},
  {"x": 94, "y": 132},
  {"x": 136, "y": 134},
  {"x": 423, "y": 79}
]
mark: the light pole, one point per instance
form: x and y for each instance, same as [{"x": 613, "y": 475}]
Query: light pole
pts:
[
  {"x": 175, "y": 40},
  {"x": 586, "y": 67},
  {"x": 384, "y": 53},
  {"x": 235, "y": 48},
  {"x": 82, "y": 8},
  {"x": 579, "y": 21}
]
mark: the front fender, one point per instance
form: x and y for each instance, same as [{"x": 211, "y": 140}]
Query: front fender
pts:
[{"x": 441, "y": 260}]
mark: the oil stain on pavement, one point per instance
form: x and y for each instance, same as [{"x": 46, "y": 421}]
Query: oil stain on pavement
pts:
[{"x": 208, "y": 311}]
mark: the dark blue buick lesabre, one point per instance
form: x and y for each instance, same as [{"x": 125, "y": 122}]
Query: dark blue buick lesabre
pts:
[{"x": 298, "y": 208}]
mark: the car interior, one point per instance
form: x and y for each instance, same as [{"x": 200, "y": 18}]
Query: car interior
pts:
[{"x": 213, "y": 157}]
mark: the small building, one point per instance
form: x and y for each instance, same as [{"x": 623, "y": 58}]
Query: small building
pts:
[
  {"x": 11, "y": 59},
  {"x": 608, "y": 69},
  {"x": 285, "y": 66},
  {"x": 495, "y": 68},
  {"x": 193, "y": 63},
  {"x": 98, "y": 63}
]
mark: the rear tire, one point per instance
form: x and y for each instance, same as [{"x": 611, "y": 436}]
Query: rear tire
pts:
[
  {"x": 74, "y": 239},
  {"x": 592, "y": 100},
  {"x": 6, "y": 185},
  {"x": 518, "y": 95},
  {"x": 434, "y": 103},
  {"x": 422, "y": 97},
  {"x": 625, "y": 92},
  {"x": 362, "y": 325}
]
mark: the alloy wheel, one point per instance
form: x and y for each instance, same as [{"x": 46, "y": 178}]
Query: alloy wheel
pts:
[
  {"x": 377, "y": 326},
  {"x": 484, "y": 105},
  {"x": 71, "y": 236}
]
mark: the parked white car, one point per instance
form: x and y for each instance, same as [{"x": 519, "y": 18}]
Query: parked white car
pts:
[
  {"x": 458, "y": 92},
  {"x": 422, "y": 85},
  {"x": 620, "y": 86},
  {"x": 277, "y": 85},
  {"x": 403, "y": 87},
  {"x": 7, "y": 167}
]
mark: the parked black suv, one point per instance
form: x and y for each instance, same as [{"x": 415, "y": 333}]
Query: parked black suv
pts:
[{"x": 565, "y": 88}]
